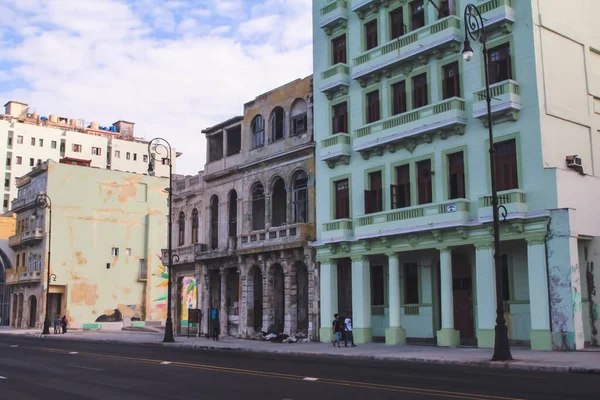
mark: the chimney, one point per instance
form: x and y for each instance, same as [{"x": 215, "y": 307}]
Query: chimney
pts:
[
  {"x": 15, "y": 108},
  {"x": 124, "y": 128}
]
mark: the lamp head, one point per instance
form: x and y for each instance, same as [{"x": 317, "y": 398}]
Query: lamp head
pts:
[
  {"x": 151, "y": 168},
  {"x": 467, "y": 51}
]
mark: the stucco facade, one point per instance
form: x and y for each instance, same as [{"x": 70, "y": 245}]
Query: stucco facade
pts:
[
  {"x": 108, "y": 229},
  {"x": 7, "y": 229},
  {"x": 404, "y": 235}
]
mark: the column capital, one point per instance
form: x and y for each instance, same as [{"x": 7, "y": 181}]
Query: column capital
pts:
[
  {"x": 356, "y": 258},
  {"x": 391, "y": 254},
  {"x": 484, "y": 246},
  {"x": 444, "y": 249},
  {"x": 535, "y": 240}
]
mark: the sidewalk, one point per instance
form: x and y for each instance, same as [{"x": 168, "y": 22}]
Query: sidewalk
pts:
[{"x": 587, "y": 361}]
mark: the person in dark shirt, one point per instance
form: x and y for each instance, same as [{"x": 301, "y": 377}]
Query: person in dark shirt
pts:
[{"x": 338, "y": 328}]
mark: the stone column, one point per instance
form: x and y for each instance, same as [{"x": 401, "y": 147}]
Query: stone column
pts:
[
  {"x": 206, "y": 302},
  {"x": 541, "y": 338},
  {"x": 288, "y": 207},
  {"x": 447, "y": 336},
  {"x": 329, "y": 298},
  {"x": 223, "y": 319},
  {"x": 486, "y": 295},
  {"x": 361, "y": 300},
  {"x": 395, "y": 334}
]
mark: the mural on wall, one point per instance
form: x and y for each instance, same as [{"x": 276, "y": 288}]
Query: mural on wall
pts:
[
  {"x": 131, "y": 311},
  {"x": 189, "y": 294},
  {"x": 160, "y": 302}
]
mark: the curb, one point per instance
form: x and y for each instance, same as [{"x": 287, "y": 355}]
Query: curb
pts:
[{"x": 509, "y": 365}]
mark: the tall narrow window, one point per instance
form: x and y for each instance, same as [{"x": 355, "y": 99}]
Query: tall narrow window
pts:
[
  {"x": 373, "y": 196},
  {"x": 400, "y": 192},
  {"x": 338, "y": 48},
  {"x": 411, "y": 283},
  {"x": 214, "y": 222},
  {"x": 373, "y": 106},
  {"x": 420, "y": 95},
  {"x": 181, "y": 223},
  {"x": 233, "y": 213},
  {"x": 424, "y": 181},
  {"x": 342, "y": 199},
  {"x": 278, "y": 203},
  {"x": 399, "y": 98},
  {"x": 377, "y": 285},
  {"x": 397, "y": 27},
  {"x": 339, "y": 119},
  {"x": 300, "y": 197},
  {"x": 258, "y": 132},
  {"x": 299, "y": 117},
  {"x": 371, "y": 37},
  {"x": 444, "y": 9},
  {"x": 451, "y": 84},
  {"x": 456, "y": 176},
  {"x": 195, "y": 223},
  {"x": 277, "y": 124},
  {"x": 417, "y": 14},
  {"x": 499, "y": 63},
  {"x": 506, "y": 165},
  {"x": 258, "y": 207}
]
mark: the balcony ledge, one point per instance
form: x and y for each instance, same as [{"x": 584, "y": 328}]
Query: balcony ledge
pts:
[
  {"x": 498, "y": 15},
  {"x": 334, "y": 16},
  {"x": 505, "y": 106},
  {"x": 336, "y": 149},
  {"x": 335, "y": 81},
  {"x": 339, "y": 230},
  {"x": 365, "y": 7}
]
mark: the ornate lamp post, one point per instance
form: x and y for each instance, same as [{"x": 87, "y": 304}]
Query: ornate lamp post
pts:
[
  {"x": 475, "y": 30},
  {"x": 160, "y": 150},
  {"x": 42, "y": 201}
]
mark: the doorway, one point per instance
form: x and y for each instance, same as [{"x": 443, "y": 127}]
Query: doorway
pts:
[
  {"x": 32, "y": 311},
  {"x": 344, "y": 270},
  {"x": 302, "y": 296},
  {"x": 278, "y": 298},
  {"x": 462, "y": 290},
  {"x": 257, "y": 318}
]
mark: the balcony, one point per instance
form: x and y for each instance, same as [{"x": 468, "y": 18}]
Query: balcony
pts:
[
  {"x": 454, "y": 211},
  {"x": 411, "y": 128},
  {"x": 185, "y": 253},
  {"x": 30, "y": 277},
  {"x": 498, "y": 15},
  {"x": 433, "y": 40},
  {"x": 277, "y": 236},
  {"x": 29, "y": 236},
  {"x": 338, "y": 230},
  {"x": 515, "y": 201},
  {"x": 506, "y": 103},
  {"x": 335, "y": 80},
  {"x": 333, "y": 16},
  {"x": 337, "y": 148},
  {"x": 12, "y": 277}
]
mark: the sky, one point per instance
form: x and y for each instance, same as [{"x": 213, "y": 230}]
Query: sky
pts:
[{"x": 174, "y": 67}]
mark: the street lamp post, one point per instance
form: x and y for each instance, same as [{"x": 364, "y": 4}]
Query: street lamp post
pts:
[
  {"x": 475, "y": 29},
  {"x": 160, "y": 150},
  {"x": 42, "y": 201}
]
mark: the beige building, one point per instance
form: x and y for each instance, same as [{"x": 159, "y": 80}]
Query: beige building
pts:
[
  {"x": 7, "y": 229},
  {"x": 106, "y": 232}
]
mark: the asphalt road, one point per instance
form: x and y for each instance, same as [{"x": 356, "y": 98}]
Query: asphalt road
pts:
[{"x": 38, "y": 368}]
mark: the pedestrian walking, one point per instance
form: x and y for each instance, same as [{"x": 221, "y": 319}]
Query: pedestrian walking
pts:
[
  {"x": 337, "y": 330},
  {"x": 214, "y": 316},
  {"x": 64, "y": 323},
  {"x": 348, "y": 332},
  {"x": 57, "y": 324}
]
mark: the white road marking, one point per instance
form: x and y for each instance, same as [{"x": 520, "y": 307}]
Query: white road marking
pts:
[
  {"x": 2, "y": 377},
  {"x": 166, "y": 362},
  {"x": 74, "y": 352},
  {"x": 15, "y": 345},
  {"x": 81, "y": 366},
  {"x": 308, "y": 378}
]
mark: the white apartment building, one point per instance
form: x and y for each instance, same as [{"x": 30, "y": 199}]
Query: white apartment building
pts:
[{"x": 27, "y": 139}]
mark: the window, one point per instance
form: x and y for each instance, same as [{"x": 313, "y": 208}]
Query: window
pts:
[
  {"x": 18, "y": 259},
  {"x": 233, "y": 200},
  {"x": 214, "y": 222},
  {"x": 134, "y": 156},
  {"x": 338, "y": 49},
  {"x": 258, "y": 207},
  {"x": 377, "y": 285},
  {"x": 399, "y": 98},
  {"x": 145, "y": 158},
  {"x": 8, "y": 161},
  {"x": 96, "y": 151},
  {"x": 19, "y": 160},
  {"x": 300, "y": 198},
  {"x": 258, "y": 132},
  {"x": 506, "y": 165},
  {"x": 31, "y": 162},
  {"x": 420, "y": 97},
  {"x": 397, "y": 27},
  {"x": 278, "y": 203},
  {"x": 127, "y": 251},
  {"x": 299, "y": 117},
  {"x": 417, "y": 14},
  {"x": 19, "y": 139},
  {"x": 181, "y": 224},
  {"x": 6, "y": 183},
  {"x": 39, "y": 161},
  {"x": 424, "y": 182},
  {"x": 76, "y": 148},
  {"x": 411, "y": 283},
  {"x": 128, "y": 156},
  {"x": 277, "y": 124},
  {"x": 400, "y": 192},
  {"x": 373, "y": 196},
  {"x": 53, "y": 144},
  {"x": 195, "y": 225},
  {"x": 371, "y": 35},
  {"x": 339, "y": 120},
  {"x": 9, "y": 141},
  {"x": 342, "y": 199},
  {"x": 234, "y": 140},
  {"x": 33, "y": 141},
  {"x": 499, "y": 64},
  {"x": 143, "y": 270},
  {"x": 117, "y": 154},
  {"x": 115, "y": 251},
  {"x": 451, "y": 84},
  {"x": 444, "y": 9},
  {"x": 41, "y": 142},
  {"x": 456, "y": 176},
  {"x": 373, "y": 106},
  {"x": 62, "y": 147}
]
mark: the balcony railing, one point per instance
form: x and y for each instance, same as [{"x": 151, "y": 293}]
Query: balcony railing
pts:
[
  {"x": 12, "y": 277},
  {"x": 30, "y": 277},
  {"x": 335, "y": 80},
  {"x": 456, "y": 210},
  {"x": 515, "y": 201},
  {"x": 337, "y": 148},
  {"x": 185, "y": 253},
  {"x": 31, "y": 235},
  {"x": 277, "y": 235},
  {"x": 334, "y": 15},
  {"x": 341, "y": 229},
  {"x": 433, "y": 39},
  {"x": 446, "y": 118},
  {"x": 497, "y": 14},
  {"x": 506, "y": 102}
]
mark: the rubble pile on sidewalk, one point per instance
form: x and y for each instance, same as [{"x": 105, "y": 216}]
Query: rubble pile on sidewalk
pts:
[{"x": 298, "y": 337}]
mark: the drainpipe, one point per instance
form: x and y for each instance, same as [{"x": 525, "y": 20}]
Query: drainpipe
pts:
[{"x": 548, "y": 272}]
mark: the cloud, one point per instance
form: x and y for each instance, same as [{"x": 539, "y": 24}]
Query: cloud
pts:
[{"x": 172, "y": 67}]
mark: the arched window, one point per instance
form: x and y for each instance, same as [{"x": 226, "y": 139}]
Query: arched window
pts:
[
  {"x": 258, "y": 132},
  {"x": 258, "y": 207},
  {"x": 233, "y": 213},
  {"x": 300, "y": 197},
  {"x": 277, "y": 125},
  {"x": 278, "y": 203},
  {"x": 214, "y": 222},
  {"x": 181, "y": 223},
  {"x": 195, "y": 225},
  {"x": 298, "y": 117}
]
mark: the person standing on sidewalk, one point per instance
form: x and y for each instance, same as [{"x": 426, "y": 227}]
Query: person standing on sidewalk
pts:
[
  {"x": 57, "y": 324},
  {"x": 215, "y": 323},
  {"x": 337, "y": 330},
  {"x": 348, "y": 332}
]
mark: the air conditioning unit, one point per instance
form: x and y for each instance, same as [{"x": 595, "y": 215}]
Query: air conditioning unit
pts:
[{"x": 574, "y": 162}]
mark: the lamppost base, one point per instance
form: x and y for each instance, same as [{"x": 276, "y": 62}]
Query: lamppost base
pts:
[
  {"x": 46, "y": 330},
  {"x": 169, "y": 332},
  {"x": 501, "y": 345}
]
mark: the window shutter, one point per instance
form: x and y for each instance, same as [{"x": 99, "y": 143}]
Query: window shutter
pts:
[
  {"x": 394, "y": 196},
  {"x": 368, "y": 208}
]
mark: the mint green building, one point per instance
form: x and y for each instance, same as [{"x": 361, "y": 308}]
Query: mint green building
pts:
[{"x": 404, "y": 217}]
